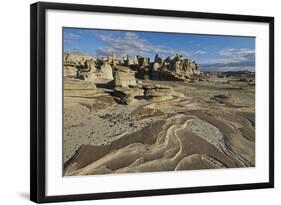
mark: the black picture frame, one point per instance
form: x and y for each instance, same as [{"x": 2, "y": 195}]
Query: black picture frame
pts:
[{"x": 38, "y": 101}]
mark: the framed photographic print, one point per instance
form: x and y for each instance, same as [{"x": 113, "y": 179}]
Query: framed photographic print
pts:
[{"x": 129, "y": 102}]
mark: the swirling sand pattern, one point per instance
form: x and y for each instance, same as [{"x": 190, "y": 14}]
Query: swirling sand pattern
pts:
[{"x": 191, "y": 140}]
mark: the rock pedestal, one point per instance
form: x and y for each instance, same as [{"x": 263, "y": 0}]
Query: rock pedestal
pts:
[
  {"x": 127, "y": 95},
  {"x": 124, "y": 78},
  {"x": 106, "y": 71},
  {"x": 156, "y": 92}
]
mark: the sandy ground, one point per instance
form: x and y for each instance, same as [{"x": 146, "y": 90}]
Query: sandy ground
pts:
[{"x": 188, "y": 131}]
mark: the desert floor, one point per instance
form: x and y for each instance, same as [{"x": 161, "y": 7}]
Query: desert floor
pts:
[{"x": 201, "y": 125}]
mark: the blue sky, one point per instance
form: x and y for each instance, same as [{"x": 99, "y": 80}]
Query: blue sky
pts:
[{"x": 211, "y": 52}]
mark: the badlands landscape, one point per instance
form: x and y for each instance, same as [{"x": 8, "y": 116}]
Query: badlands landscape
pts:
[{"x": 135, "y": 114}]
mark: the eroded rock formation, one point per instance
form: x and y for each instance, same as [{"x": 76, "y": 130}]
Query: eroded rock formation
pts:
[
  {"x": 76, "y": 58},
  {"x": 124, "y": 77},
  {"x": 174, "y": 68},
  {"x": 106, "y": 71},
  {"x": 91, "y": 68},
  {"x": 70, "y": 71},
  {"x": 157, "y": 92}
]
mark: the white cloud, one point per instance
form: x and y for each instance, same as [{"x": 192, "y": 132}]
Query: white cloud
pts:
[
  {"x": 132, "y": 44},
  {"x": 199, "y": 52},
  {"x": 237, "y": 54},
  {"x": 70, "y": 36},
  {"x": 231, "y": 59},
  {"x": 123, "y": 43},
  {"x": 104, "y": 51}
]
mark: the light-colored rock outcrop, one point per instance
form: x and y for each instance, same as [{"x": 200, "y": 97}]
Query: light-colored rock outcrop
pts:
[
  {"x": 157, "y": 92},
  {"x": 174, "y": 68},
  {"x": 91, "y": 65},
  {"x": 106, "y": 71},
  {"x": 124, "y": 78},
  {"x": 112, "y": 59},
  {"x": 70, "y": 71},
  {"x": 142, "y": 61},
  {"x": 156, "y": 66},
  {"x": 76, "y": 58},
  {"x": 91, "y": 77},
  {"x": 78, "y": 85},
  {"x": 130, "y": 61}
]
